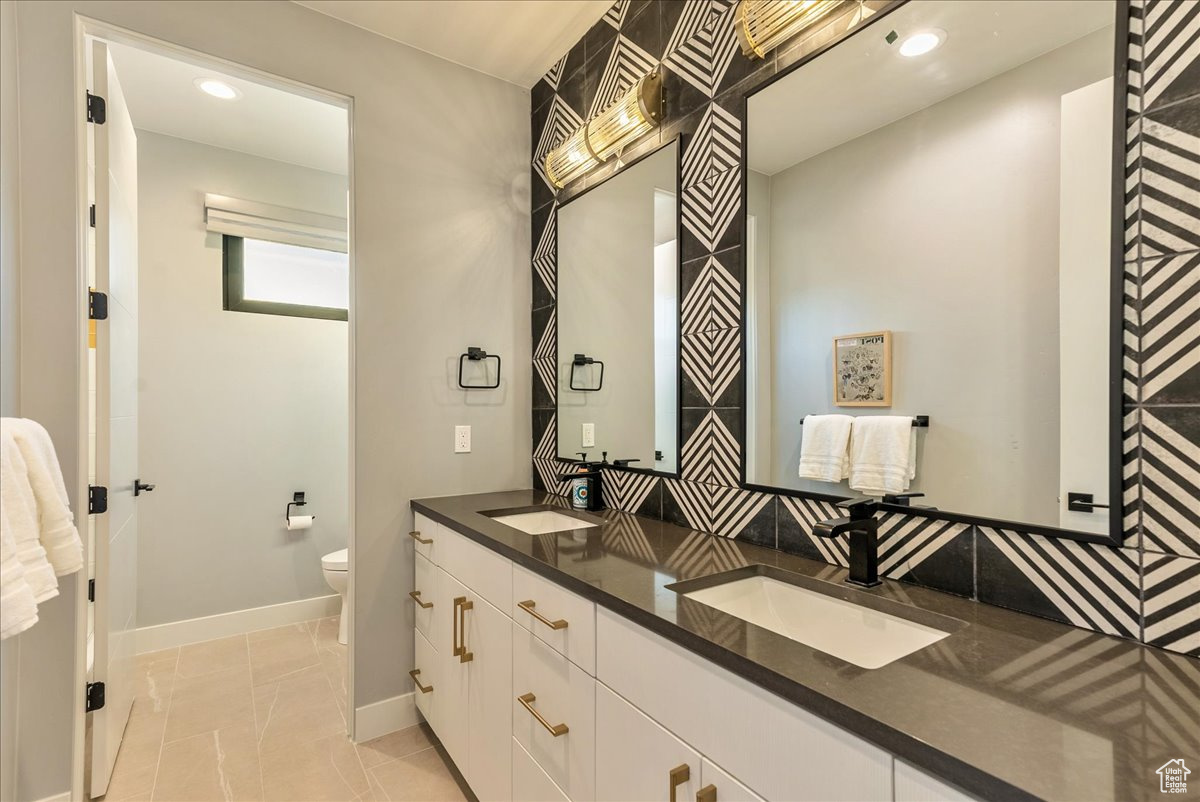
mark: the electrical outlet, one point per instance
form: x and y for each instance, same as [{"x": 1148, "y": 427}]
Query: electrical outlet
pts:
[
  {"x": 462, "y": 439},
  {"x": 589, "y": 435}
]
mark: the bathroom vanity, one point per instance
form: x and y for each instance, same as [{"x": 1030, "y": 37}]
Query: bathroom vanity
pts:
[{"x": 568, "y": 664}]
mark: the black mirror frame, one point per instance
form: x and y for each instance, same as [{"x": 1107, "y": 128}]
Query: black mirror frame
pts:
[{"x": 1118, "y": 452}]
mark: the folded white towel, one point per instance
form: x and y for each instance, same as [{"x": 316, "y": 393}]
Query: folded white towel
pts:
[
  {"x": 883, "y": 454},
  {"x": 58, "y": 534},
  {"x": 18, "y": 609},
  {"x": 21, "y": 518},
  {"x": 824, "y": 447}
]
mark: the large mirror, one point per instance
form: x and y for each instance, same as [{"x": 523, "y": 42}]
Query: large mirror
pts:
[
  {"x": 618, "y": 317},
  {"x": 929, "y": 235}
]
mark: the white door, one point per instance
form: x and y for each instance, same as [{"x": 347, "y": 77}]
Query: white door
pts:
[
  {"x": 116, "y": 416},
  {"x": 636, "y": 759},
  {"x": 488, "y": 637}
]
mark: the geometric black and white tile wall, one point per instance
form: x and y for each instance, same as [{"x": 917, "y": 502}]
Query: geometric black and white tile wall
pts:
[{"x": 1149, "y": 589}]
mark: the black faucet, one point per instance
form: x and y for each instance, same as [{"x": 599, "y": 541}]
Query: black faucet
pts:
[
  {"x": 595, "y": 484},
  {"x": 864, "y": 539}
]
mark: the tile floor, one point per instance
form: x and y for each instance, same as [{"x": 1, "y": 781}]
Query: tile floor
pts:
[{"x": 262, "y": 717}]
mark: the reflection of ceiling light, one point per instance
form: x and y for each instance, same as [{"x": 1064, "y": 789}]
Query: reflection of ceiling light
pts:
[
  {"x": 211, "y": 86},
  {"x": 918, "y": 44}
]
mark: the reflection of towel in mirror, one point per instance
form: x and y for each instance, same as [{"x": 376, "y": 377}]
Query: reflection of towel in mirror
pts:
[
  {"x": 883, "y": 454},
  {"x": 824, "y": 447}
]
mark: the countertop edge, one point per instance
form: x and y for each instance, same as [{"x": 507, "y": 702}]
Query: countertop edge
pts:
[{"x": 901, "y": 745}]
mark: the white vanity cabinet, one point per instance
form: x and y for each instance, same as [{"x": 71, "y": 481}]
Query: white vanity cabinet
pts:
[{"x": 637, "y": 760}]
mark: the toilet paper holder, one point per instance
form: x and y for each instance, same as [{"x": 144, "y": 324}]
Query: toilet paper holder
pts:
[{"x": 297, "y": 501}]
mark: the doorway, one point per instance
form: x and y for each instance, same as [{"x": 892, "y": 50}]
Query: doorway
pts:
[{"x": 218, "y": 271}]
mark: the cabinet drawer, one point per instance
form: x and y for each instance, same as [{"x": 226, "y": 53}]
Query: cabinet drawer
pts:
[
  {"x": 724, "y": 717},
  {"x": 423, "y": 594},
  {"x": 424, "y": 537},
  {"x": 425, "y": 663},
  {"x": 478, "y": 567},
  {"x": 576, "y": 640},
  {"x": 530, "y": 783},
  {"x": 564, "y": 694},
  {"x": 913, "y": 785},
  {"x": 727, "y": 788},
  {"x": 636, "y": 759}
]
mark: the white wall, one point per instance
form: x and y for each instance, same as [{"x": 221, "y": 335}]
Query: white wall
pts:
[
  {"x": 942, "y": 227},
  {"x": 441, "y": 223},
  {"x": 236, "y": 410}
]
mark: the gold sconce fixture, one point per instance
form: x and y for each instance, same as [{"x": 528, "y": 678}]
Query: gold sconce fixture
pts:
[
  {"x": 635, "y": 113},
  {"x": 762, "y": 25}
]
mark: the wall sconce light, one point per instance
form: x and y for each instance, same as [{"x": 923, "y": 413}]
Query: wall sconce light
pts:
[
  {"x": 635, "y": 113},
  {"x": 763, "y": 25}
]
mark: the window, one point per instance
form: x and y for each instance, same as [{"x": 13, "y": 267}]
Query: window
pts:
[{"x": 274, "y": 278}]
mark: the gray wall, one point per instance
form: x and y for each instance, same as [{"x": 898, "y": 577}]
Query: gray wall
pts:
[
  {"x": 236, "y": 410},
  {"x": 942, "y": 227},
  {"x": 606, "y": 310},
  {"x": 441, "y": 233}
]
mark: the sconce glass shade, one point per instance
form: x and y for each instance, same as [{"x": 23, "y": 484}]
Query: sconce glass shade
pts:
[
  {"x": 762, "y": 25},
  {"x": 635, "y": 113},
  {"x": 571, "y": 159}
]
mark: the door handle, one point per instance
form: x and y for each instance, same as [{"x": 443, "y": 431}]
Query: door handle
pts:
[
  {"x": 528, "y": 606},
  {"x": 707, "y": 794},
  {"x": 140, "y": 487},
  {"x": 527, "y": 700},
  {"x": 415, "y": 595},
  {"x": 424, "y": 541},
  {"x": 678, "y": 776},
  {"x": 463, "y": 605},
  {"x": 416, "y": 672}
]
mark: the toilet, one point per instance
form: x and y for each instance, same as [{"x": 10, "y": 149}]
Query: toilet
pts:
[{"x": 336, "y": 567}]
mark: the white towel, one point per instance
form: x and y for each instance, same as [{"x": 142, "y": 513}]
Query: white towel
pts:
[
  {"x": 18, "y": 608},
  {"x": 21, "y": 518},
  {"x": 824, "y": 447},
  {"x": 883, "y": 454},
  {"x": 57, "y": 532}
]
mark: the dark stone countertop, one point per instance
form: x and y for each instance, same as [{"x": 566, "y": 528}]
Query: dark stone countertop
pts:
[{"x": 1008, "y": 707}]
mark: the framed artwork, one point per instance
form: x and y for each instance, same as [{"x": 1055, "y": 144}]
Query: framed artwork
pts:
[{"x": 862, "y": 370}]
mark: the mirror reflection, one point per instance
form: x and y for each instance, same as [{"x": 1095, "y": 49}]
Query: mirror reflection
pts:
[
  {"x": 618, "y": 318},
  {"x": 929, "y": 221}
]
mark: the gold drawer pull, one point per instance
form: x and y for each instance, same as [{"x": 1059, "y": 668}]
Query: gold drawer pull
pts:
[
  {"x": 528, "y": 606},
  {"x": 415, "y": 595},
  {"x": 678, "y": 776},
  {"x": 424, "y": 541},
  {"x": 707, "y": 794},
  {"x": 527, "y": 701},
  {"x": 461, "y": 605},
  {"x": 416, "y": 672}
]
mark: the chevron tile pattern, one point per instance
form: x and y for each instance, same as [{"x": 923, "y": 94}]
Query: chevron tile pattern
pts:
[
  {"x": 700, "y": 555},
  {"x": 1153, "y": 581}
]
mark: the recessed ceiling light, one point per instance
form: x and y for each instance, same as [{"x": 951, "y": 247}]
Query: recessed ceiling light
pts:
[
  {"x": 220, "y": 89},
  {"x": 920, "y": 43}
]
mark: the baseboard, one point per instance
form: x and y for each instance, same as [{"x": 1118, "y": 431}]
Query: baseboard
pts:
[
  {"x": 65, "y": 796},
  {"x": 389, "y": 715},
  {"x": 211, "y": 627}
]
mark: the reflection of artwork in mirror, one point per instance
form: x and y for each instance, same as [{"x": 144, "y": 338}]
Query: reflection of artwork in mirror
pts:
[
  {"x": 961, "y": 198},
  {"x": 862, "y": 370},
  {"x": 618, "y": 303}
]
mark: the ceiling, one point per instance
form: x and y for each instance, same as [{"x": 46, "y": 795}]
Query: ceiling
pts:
[
  {"x": 865, "y": 84},
  {"x": 515, "y": 40},
  {"x": 264, "y": 121}
]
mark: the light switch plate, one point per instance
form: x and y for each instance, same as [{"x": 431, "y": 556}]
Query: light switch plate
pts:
[
  {"x": 589, "y": 435},
  {"x": 462, "y": 439}
]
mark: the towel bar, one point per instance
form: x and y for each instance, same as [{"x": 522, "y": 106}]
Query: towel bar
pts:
[{"x": 918, "y": 421}]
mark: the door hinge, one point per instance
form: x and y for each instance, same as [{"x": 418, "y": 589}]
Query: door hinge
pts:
[
  {"x": 91, "y": 590},
  {"x": 95, "y": 696},
  {"x": 97, "y": 499},
  {"x": 97, "y": 305},
  {"x": 96, "y": 109},
  {"x": 92, "y": 215}
]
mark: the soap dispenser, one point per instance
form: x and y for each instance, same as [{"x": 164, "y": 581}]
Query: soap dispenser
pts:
[{"x": 579, "y": 486}]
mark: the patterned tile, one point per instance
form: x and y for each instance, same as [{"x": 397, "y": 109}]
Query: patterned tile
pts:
[
  {"x": 711, "y": 363},
  {"x": 545, "y": 357},
  {"x": 1172, "y": 603},
  {"x": 713, "y": 293},
  {"x": 626, "y": 64},
  {"x": 688, "y": 504},
  {"x": 712, "y": 451},
  {"x": 1136, "y": 50},
  {"x": 1171, "y": 54},
  {"x": 1169, "y": 329},
  {"x": 710, "y": 209},
  {"x": 636, "y": 493},
  {"x": 1170, "y": 179},
  {"x": 1170, "y": 480},
  {"x": 545, "y": 256}
]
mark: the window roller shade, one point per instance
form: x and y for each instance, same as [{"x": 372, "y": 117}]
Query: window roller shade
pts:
[{"x": 263, "y": 221}]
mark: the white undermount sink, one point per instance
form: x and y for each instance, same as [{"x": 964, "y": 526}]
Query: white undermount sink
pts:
[
  {"x": 854, "y": 633},
  {"x": 542, "y": 522}
]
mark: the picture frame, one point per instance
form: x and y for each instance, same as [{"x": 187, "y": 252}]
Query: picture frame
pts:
[{"x": 862, "y": 369}]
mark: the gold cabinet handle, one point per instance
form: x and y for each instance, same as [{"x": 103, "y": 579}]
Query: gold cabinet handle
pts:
[
  {"x": 707, "y": 794},
  {"x": 416, "y": 672},
  {"x": 678, "y": 776},
  {"x": 454, "y": 616},
  {"x": 415, "y": 595},
  {"x": 528, "y": 606},
  {"x": 527, "y": 701},
  {"x": 463, "y": 605},
  {"x": 424, "y": 541}
]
